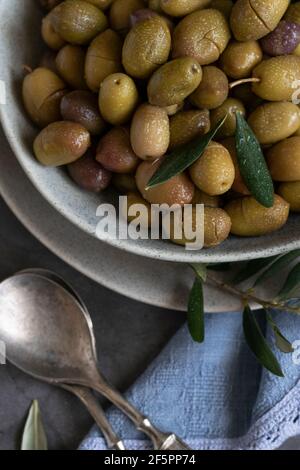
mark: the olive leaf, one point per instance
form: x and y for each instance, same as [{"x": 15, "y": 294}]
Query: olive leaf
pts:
[
  {"x": 195, "y": 314},
  {"x": 291, "y": 286},
  {"x": 257, "y": 343},
  {"x": 200, "y": 270},
  {"x": 252, "y": 163},
  {"x": 281, "y": 342},
  {"x": 181, "y": 158},
  {"x": 252, "y": 267},
  {"x": 34, "y": 437},
  {"x": 277, "y": 266}
]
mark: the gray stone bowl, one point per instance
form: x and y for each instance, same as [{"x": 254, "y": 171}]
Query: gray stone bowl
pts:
[{"x": 20, "y": 44}]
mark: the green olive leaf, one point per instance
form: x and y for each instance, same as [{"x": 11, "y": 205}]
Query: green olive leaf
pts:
[
  {"x": 291, "y": 286},
  {"x": 34, "y": 437},
  {"x": 200, "y": 270},
  {"x": 252, "y": 163},
  {"x": 181, "y": 158},
  {"x": 257, "y": 343},
  {"x": 281, "y": 342},
  {"x": 195, "y": 314},
  {"x": 251, "y": 268},
  {"x": 277, "y": 266}
]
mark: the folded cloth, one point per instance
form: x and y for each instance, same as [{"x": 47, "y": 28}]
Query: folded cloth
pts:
[{"x": 215, "y": 395}]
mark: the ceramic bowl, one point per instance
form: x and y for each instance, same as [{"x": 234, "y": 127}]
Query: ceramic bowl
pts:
[{"x": 21, "y": 44}]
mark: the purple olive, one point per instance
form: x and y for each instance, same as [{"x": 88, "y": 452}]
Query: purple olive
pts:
[
  {"x": 89, "y": 174},
  {"x": 283, "y": 40},
  {"x": 82, "y": 106}
]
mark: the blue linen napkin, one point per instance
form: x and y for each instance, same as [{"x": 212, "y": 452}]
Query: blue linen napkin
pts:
[{"x": 215, "y": 395}]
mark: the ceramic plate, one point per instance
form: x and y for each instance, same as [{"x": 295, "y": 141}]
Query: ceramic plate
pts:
[{"x": 20, "y": 44}]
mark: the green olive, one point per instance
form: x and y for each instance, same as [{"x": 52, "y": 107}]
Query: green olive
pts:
[
  {"x": 182, "y": 7},
  {"x": 239, "y": 58},
  {"x": 49, "y": 35},
  {"x": 103, "y": 58},
  {"x": 214, "y": 171},
  {"x": 42, "y": 93},
  {"x": 177, "y": 190},
  {"x": 253, "y": 19},
  {"x": 154, "y": 5},
  {"x": 272, "y": 122},
  {"x": 284, "y": 160},
  {"x": 229, "y": 107},
  {"x": 216, "y": 228},
  {"x": 187, "y": 125},
  {"x": 115, "y": 153},
  {"x": 290, "y": 192},
  {"x": 133, "y": 214},
  {"x": 202, "y": 35},
  {"x": 118, "y": 98},
  {"x": 150, "y": 132},
  {"x": 174, "y": 81},
  {"x": 61, "y": 143},
  {"x": 78, "y": 21},
  {"x": 70, "y": 64},
  {"x": 146, "y": 47},
  {"x": 278, "y": 77},
  {"x": 119, "y": 16},
  {"x": 213, "y": 89},
  {"x": 251, "y": 219},
  {"x": 82, "y": 106},
  {"x": 102, "y": 4}
]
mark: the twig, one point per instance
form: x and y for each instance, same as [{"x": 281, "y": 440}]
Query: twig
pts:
[
  {"x": 244, "y": 80},
  {"x": 248, "y": 296}
]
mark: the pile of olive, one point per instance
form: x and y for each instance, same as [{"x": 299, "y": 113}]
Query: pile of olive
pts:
[{"x": 124, "y": 82}]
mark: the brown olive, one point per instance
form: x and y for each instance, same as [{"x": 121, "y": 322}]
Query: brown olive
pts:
[
  {"x": 187, "y": 125},
  {"x": 146, "y": 47},
  {"x": 48, "y": 61},
  {"x": 89, "y": 174},
  {"x": 42, "y": 93},
  {"x": 70, "y": 65},
  {"x": 200, "y": 197},
  {"x": 238, "y": 184},
  {"x": 290, "y": 192},
  {"x": 177, "y": 190},
  {"x": 239, "y": 58},
  {"x": 272, "y": 122},
  {"x": 253, "y": 19},
  {"x": 174, "y": 81},
  {"x": 103, "y": 58},
  {"x": 124, "y": 182},
  {"x": 213, "y": 89},
  {"x": 214, "y": 171},
  {"x": 284, "y": 160},
  {"x": 202, "y": 35},
  {"x": 118, "y": 98},
  {"x": 229, "y": 108},
  {"x": 119, "y": 15},
  {"x": 61, "y": 143},
  {"x": 82, "y": 106},
  {"x": 50, "y": 36},
  {"x": 115, "y": 153},
  {"x": 150, "y": 132},
  {"x": 78, "y": 21},
  {"x": 251, "y": 219}
]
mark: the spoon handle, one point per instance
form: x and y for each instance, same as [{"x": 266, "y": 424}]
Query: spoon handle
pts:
[
  {"x": 97, "y": 412},
  {"x": 160, "y": 440}
]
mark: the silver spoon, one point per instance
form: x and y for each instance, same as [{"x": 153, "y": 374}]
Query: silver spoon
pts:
[
  {"x": 84, "y": 394},
  {"x": 48, "y": 335}
]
